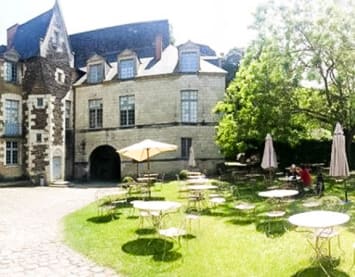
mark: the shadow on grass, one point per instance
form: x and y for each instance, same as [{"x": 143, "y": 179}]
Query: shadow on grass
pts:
[
  {"x": 169, "y": 256},
  {"x": 145, "y": 231},
  {"x": 103, "y": 218},
  {"x": 147, "y": 246},
  {"x": 317, "y": 270},
  {"x": 241, "y": 220},
  {"x": 272, "y": 228}
]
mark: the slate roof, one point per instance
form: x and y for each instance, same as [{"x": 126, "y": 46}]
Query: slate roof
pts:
[
  {"x": 166, "y": 65},
  {"x": 28, "y": 35},
  {"x": 2, "y": 50},
  {"x": 109, "y": 42}
]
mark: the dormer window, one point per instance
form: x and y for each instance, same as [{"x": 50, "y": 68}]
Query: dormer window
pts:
[
  {"x": 127, "y": 65},
  {"x": 189, "y": 58},
  {"x": 59, "y": 76},
  {"x": 10, "y": 72},
  {"x": 126, "y": 69},
  {"x": 95, "y": 73},
  {"x": 10, "y": 65},
  {"x": 189, "y": 61}
]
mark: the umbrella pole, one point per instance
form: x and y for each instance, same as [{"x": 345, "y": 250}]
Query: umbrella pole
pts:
[{"x": 149, "y": 193}]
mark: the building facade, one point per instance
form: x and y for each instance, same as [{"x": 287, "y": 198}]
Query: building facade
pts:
[{"x": 68, "y": 103}]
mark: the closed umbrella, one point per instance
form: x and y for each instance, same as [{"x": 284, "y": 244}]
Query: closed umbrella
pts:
[
  {"x": 192, "y": 162},
  {"x": 144, "y": 150},
  {"x": 269, "y": 160},
  {"x": 338, "y": 161}
]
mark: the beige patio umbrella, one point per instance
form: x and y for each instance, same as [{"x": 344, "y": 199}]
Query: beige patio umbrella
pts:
[
  {"x": 269, "y": 160},
  {"x": 192, "y": 162},
  {"x": 144, "y": 150},
  {"x": 338, "y": 161}
]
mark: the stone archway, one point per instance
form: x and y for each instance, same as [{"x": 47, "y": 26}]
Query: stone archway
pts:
[{"x": 105, "y": 164}]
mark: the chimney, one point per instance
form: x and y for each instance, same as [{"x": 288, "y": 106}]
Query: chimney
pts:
[
  {"x": 158, "y": 46},
  {"x": 11, "y": 31}
]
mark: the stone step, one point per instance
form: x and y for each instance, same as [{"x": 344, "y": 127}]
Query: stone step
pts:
[{"x": 59, "y": 184}]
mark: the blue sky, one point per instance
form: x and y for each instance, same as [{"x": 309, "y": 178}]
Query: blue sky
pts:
[{"x": 221, "y": 24}]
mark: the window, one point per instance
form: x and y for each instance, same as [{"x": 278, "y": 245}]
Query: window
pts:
[
  {"x": 11, "y": 152},
  {"x": 189, "y": 61},
  {"x": 126, "y": 69},
  {"x": 127, "y": 110},
  {"x": 40, "y": 102},
  {"x": 10, "y": 74},
  {"x": 67, "y": 113},
  {"x": 39, "y": 138},
  {"x": 56, "y": 38},
  {"x": 185, "y": 147},
  {"x": 95, "y": 113},
  {"x": 12, "y": 124},
  {"x": 96, "y": 73},
  {"x": 189, "y": 106},
  {"x": 59, "y": 75}
]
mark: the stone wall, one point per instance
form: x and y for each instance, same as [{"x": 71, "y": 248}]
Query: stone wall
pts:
[{"x": 158, "y": 117}]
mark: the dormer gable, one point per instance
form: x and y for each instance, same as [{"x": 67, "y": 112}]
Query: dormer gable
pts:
[
  {"x": 189, "y": 57},
  {"x": 127, "y": 65},
  {"x": 56, "y": 39},
  {"x": 97, "y": 69},
  {"x": 11, "y": 58}
]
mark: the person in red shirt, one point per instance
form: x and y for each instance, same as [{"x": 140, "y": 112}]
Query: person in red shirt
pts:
[{"x": 305, "y": 176}]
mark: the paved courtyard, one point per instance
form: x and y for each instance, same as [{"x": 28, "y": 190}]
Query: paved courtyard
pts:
[{"x": 30, "y": 232}]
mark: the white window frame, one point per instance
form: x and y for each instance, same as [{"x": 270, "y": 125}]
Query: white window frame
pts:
[
  {"x": 189, "y": 61},
  {"x": 126, "y": 68},
  {"x": 127, "y": 110},
  {"x": 95, "y": 73},
  {"x": 12, "y": 117},
  {"x": 59, "y": 75},
  {"x": 189, "y": 106},
  {"x": 12, "y": 153},
  {"x": 95, "y": 113},
  {"x": 10, "y": 72}
]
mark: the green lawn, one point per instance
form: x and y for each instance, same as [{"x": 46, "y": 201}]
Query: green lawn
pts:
[{"x": 226, "y": 243}]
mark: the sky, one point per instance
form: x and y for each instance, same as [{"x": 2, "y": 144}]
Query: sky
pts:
[{"x": 221, "y": 24}]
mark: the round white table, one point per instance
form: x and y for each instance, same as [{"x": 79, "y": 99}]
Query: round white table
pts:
[
  {"x": 319, "y": 219},
  {"x": 289, "y": 179},
  {"x": 156, "y": 206},
  {"x": 278, "y": 193},
  {"x": 156, "y": 209},
  {"x": 198, "y": 181},
  {"x": 323, "y": 222},
  {"x": 201, "y": 187}
]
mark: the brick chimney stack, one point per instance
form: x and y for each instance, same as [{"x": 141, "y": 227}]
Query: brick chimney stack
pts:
[
  {"x": 11, "y": 31},
  {"x": 158, "y": 47}
]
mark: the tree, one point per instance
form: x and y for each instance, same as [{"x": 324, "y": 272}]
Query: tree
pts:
[
  {"x": 298, "y": 74},
  {"x": 231, "y": 63}
]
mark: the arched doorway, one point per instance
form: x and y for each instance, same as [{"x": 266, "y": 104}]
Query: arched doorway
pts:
[{"x": 105, "y": 164}]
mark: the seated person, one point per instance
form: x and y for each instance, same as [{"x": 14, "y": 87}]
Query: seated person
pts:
[
  {"x": 293, "y": 171},
  {"x": 305, "y": 176}
]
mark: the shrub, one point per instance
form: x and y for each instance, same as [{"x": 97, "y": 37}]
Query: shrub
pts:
[
  {"x": 183, "y": 174},
  {"x": 127, "y": 179}
]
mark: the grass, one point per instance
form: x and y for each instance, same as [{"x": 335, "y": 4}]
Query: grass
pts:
[{"x": 227, "y": 243}]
